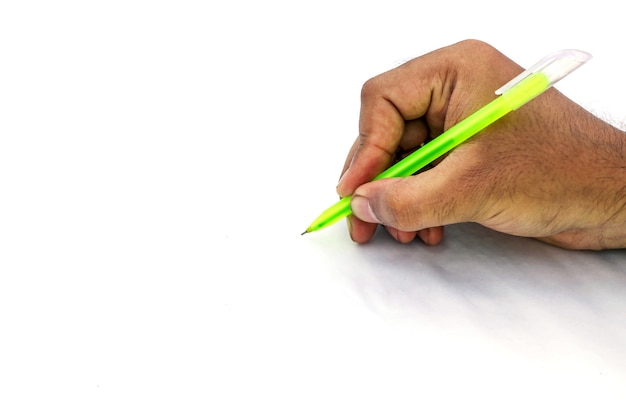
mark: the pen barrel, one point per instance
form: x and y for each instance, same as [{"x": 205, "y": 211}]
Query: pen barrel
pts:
[
  {"x": 331, "y": 215},
  {"x": 526, "y": 90},
  {"x": 521, "y": 93},
  {"x": 448, "y": 140}
]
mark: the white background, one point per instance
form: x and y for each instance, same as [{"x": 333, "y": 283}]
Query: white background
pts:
[{"x": 158, "y": 162}]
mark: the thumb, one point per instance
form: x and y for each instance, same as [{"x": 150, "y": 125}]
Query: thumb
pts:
[{"x": 413, "y": 203}]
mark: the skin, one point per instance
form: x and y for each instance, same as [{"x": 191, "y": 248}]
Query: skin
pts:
[{"x": 549, "y": 170}]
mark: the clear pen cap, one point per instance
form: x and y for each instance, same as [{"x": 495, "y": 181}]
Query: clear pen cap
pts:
[{"x": 554, "y": 66}]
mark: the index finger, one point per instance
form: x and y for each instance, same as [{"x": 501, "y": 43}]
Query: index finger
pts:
[{"x": 388, "y": 101}]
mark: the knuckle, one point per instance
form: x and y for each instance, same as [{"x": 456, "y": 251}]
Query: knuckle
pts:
[
  {"x": 474, "y": 44},
  {"x": 370, "y": 88}
]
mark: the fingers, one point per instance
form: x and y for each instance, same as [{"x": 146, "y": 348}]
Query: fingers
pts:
[
  {"x": 362, "y": 231},
  {"x": 391, "y": 107},
  {"x": 414, "y": 134},
  {"x": 415, "y": 203}
]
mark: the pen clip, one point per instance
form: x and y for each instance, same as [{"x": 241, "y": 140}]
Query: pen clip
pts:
[{"x": 555, "y": 66}]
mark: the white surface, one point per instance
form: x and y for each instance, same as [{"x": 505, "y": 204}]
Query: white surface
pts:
[{"x": 141, "y": 275}]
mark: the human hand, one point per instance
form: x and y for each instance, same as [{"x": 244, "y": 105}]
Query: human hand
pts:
[{"x": 549, "y": 170}]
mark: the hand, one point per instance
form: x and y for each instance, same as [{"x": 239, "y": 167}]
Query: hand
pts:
[{"x": 549, "y": 170}]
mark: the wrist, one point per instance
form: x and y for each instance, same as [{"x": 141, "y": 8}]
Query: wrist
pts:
[{"x": 605, "y": 180}]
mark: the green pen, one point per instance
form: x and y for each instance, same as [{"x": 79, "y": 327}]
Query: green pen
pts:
[{"x": 514, "y": 94}]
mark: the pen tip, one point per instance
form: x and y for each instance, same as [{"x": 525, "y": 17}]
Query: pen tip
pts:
[{"x": 304, "y": 233}]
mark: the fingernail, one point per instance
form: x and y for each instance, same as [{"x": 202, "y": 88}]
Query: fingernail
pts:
[
  {"x": 339, "y": 187},
  {"x": 361, "y": 208},
  {"x": 349, "y": 223}
]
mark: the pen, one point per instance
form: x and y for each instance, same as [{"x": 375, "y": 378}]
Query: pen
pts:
[{"x": 514, "y": 94}]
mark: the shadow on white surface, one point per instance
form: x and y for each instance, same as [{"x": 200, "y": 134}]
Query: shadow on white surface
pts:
[{"x": 483, "y": 306}]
